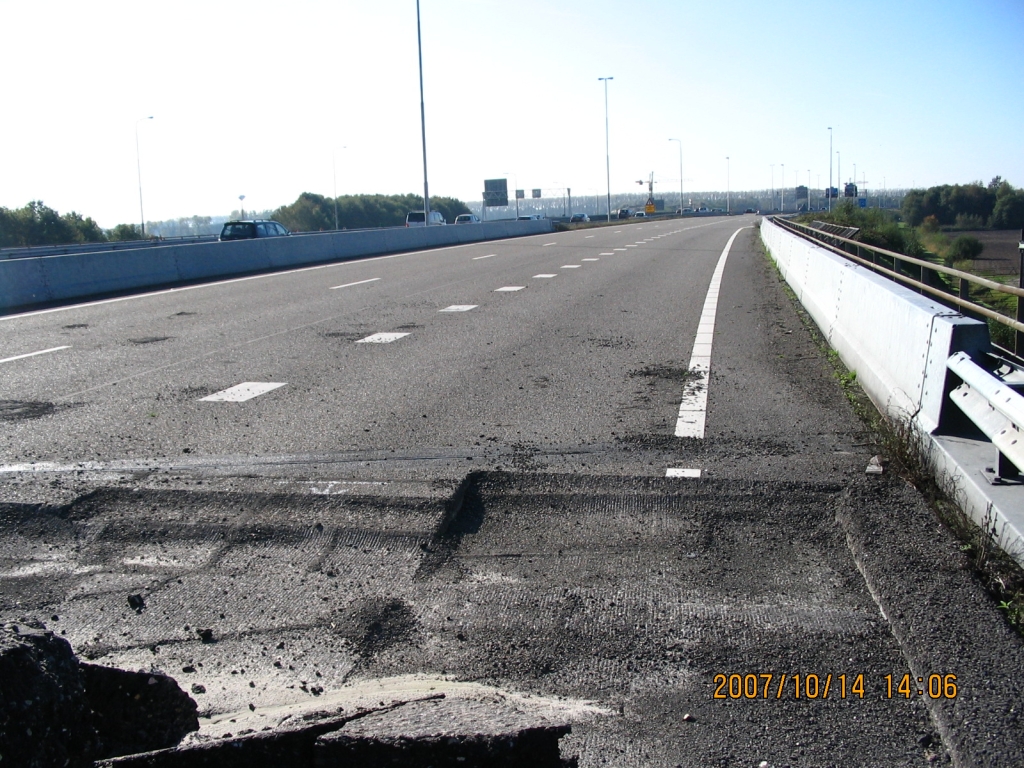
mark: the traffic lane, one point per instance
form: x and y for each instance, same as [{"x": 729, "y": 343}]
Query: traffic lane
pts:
[
  {"x": 166, "y": 418},
  {"x": 774, "y": 409},
  {"x": 204, "y": 317}
]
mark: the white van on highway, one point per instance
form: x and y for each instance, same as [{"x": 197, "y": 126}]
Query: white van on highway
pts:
[{"x": 415, "y": 219}]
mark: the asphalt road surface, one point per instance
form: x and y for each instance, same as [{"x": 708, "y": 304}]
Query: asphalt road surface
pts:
[{"x": 529, "y": 483}]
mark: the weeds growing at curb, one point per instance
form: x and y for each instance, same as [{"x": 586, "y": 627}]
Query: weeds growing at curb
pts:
[{"x": 907, "y": 450}]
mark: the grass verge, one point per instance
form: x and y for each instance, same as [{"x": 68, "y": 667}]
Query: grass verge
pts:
[{"x": 901, "y": 442}]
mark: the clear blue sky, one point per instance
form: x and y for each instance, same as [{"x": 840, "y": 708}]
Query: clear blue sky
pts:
[{"x": 254, "y": 98}]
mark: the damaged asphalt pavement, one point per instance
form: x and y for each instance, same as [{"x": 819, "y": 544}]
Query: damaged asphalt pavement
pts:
[{"x": 465, "y": 547}]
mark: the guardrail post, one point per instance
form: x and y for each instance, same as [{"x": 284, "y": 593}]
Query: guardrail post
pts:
[
  {"x": 965, "y": 289},
  {"x": 1018, "y": 345}
]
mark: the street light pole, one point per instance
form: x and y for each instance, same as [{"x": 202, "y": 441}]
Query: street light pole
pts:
[
  {"x": 728, "y": 208},
  {"x": 138, "y": 166},
  {"x": 423, "y": 122},
  {"x": 808, "y": 190},
  {"x": 783, "y": 189},
  {"x": 607, "y": 157},
  {"x": 334, "y": 167},
  {"x": 678, "y": 141},
  {"x": 830, "y": 168}
]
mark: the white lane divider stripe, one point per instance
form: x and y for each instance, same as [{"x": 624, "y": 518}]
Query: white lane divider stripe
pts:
[
  {"x": 682, "y": 472},
  {"x": 544, "y": 276},
  {"x": 547, "y": 244},
  {"x": 608, "y": 254},
  {"x": 349, "y": 285},
  {"x": 570, "y": 266},
  {"x": 33, "y": 354},
  {"x": 694, "y": 407},
  {"x": 589, "y": 259},
  {"x": 459, "y": 308},
  {"x": 247, "y": 390},
  {"x": 382, "y": 338},
  {"x": 477, "y": 258},
  {"x": 510, "y": 288}
]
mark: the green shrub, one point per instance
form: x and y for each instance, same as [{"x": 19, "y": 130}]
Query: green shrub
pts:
[{"x": 964, "y": 248}]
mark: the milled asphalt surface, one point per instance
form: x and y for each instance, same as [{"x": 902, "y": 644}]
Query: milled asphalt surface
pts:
[{"x": 484, "y": 501}]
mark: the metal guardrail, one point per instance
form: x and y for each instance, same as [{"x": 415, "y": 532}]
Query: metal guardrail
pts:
[
  {"x": 995, "y": 408},
  {"x": 870, "y": 257},
  {"x": 985, "y": 396}
]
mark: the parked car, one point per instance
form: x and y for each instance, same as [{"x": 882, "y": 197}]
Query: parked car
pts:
[
  {"x": 578, "y": 218},
  {"x": 248, "y": 230},
  {"x": 415, "y": 219},
  {"x": 467, "y": 218}
]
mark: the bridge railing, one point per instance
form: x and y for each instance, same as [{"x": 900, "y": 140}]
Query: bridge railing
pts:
[{"x": 896, "y": 266}]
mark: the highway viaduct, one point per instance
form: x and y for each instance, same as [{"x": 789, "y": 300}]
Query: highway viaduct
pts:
[{"x": 604, "y": 478}]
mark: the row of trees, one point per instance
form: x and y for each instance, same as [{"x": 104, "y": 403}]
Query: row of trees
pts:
[
  {"x": 967, "y": 206},
  {"x": 313, "y": 213},
  {"x": 37, "y": 224}
]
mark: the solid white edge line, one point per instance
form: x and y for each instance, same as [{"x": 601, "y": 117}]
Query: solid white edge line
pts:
[
  {"x": 349, "y": 285},
  {"x": 692, "y": 420},
  {"x": 33, "y": 354}
]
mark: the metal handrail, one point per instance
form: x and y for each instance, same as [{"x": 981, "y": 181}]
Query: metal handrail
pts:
[{"x": 824, "y": 240}]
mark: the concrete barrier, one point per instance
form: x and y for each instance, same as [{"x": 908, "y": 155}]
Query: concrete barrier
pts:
[
  {"x": 29, "y": 282},
  {"x": 896, "y": 340}
]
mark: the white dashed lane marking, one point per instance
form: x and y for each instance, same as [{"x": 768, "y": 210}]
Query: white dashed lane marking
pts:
[
  {"x": 382, "y": 338},
  {"x": 459, "y": 308},
  {"x": 618, "y": 249},
  {"x": 694, "y": 407},
  {"x": 570, "y": 266},
  {"x": 681, "y": 472},
  {"x": 544, "y": 276},
  {"x": 33, "y": 354},
  {"x": 477, "y": 258},
  {"x": 608, "y": 254},
  {"x": 349, "y": 285},
  {"x": 590, "y": 259},
  {"x": 247, "y": 390},
  {"x": 547, "y": 244},
  {"x": 510, "y": 288}
]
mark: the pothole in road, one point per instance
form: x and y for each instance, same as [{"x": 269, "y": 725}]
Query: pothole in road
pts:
[
  {"x": 23, "y": 410},
  {"x": 149, "y": 339},
  {"x": 665, "y": 372}
]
